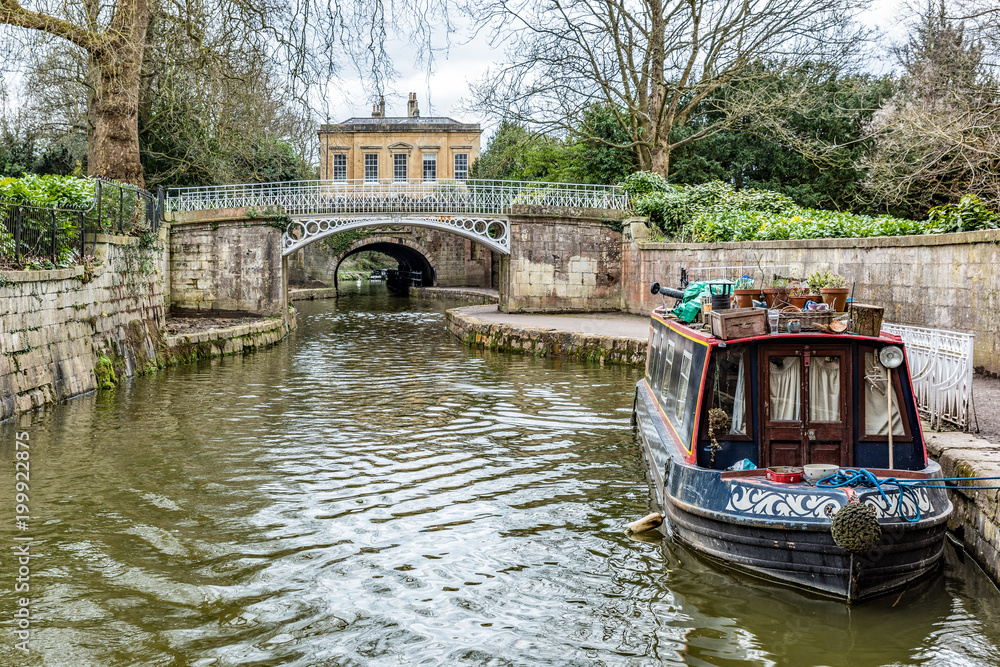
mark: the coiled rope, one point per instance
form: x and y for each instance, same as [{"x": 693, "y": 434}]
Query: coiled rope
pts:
[{"x": 862, "y": 477}]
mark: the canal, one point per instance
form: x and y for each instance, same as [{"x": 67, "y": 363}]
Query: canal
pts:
[{"x": 370, "y": 492}]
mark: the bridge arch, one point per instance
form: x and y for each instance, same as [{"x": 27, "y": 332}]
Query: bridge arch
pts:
[
  {"x": 491, "y": 231},
  {"x": 411, "y": 256}
]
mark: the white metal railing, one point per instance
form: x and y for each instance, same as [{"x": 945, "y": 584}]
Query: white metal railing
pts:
[
  {"x": 305, "y": 198},
  {"x": 941, "y": 368}
]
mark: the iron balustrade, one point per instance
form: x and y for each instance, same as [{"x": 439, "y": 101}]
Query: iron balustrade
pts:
[
  {"x": 304, "y": 198},
  {"x": 31, "y": 233},
  {"x": 941, "y": 369}
]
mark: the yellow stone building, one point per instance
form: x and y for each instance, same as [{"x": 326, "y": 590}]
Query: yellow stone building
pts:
[{"x": 398, "y": 149}]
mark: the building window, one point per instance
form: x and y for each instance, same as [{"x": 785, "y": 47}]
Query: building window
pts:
[
  {"x": 399, "y": 167},
  {"x": 461, "y": 166},
  {"x": 371, "y": 167},
  {"x": 430, "y": 167},
  {"x": 338, "y": 170}
]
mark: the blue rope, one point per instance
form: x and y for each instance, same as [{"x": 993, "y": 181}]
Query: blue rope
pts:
[{"x": 851, "y": 477}]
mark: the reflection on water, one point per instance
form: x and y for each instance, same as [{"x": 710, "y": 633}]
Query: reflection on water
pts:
[{"x": 371, "y": 492}]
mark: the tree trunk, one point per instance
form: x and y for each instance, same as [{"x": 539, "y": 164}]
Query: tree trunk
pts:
[
  {"x": 660, "y": 160},
  {"x": 114, "y": 152}
]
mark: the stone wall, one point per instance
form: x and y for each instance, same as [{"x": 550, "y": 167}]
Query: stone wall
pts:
[
  {"x": 561, "y": 260},
  {"x": 57, "y": 324},
  {"x": 226, "y": 261},
  {"x": 548, "y": 342},
  {"x": 946, "y": 281}
]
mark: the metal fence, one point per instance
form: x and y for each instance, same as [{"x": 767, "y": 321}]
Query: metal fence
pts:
[
  {"x": 57, "y": 235},
  {"x": 297, "y": 198},
  {"x": 941, "y": 368}
]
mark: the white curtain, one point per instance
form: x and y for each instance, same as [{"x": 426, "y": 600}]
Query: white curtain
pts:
[
  {"x": 739, "y": 424},
  {"x": 876, "y": 409},
  {"x": 784, "y": 388},
  {"x": 824, "y": 389}
]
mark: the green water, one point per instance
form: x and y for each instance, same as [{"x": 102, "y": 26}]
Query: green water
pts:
[{"x": 370, "y": 492}]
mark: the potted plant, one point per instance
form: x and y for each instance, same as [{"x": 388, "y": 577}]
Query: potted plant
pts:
[
  {"x": 745, "y": 292},
  {"x": 776, "y": 295},
  {"x": 835, "y": 292},
  {"x": 799, "y": 294},
  {"x": 832, "y": 286}
]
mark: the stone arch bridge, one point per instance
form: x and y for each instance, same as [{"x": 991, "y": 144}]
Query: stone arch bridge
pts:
[{"x": 551, "y": 246}]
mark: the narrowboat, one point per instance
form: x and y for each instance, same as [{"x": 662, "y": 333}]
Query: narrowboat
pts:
[{"x": 720, "y": 421}]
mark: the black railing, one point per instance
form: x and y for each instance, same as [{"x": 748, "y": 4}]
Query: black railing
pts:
[
  {"x": 31, "y": 234},
  {"x": 34, "y": 235}
]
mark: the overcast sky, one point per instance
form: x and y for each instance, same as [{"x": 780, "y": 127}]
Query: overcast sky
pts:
[{"x": 465, "y": 63}]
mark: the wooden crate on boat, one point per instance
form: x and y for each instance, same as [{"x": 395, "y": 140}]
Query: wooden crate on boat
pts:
[
  {"x": 738, "y": 323},
  {"x": 808, "y": 319}
]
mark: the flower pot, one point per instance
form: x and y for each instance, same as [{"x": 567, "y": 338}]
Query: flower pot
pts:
[
  {"x": 745, "y": 297},
  {"x": 775, "y": 297},
  {"x": 801, "y": 300},
  {"x": 836, "y": 297}
]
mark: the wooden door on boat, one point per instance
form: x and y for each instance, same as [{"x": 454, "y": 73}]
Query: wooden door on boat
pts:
[{"x": 805, "y": 414}]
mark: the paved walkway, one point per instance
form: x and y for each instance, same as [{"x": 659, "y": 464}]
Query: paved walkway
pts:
[{"x": 619, "y": 325}]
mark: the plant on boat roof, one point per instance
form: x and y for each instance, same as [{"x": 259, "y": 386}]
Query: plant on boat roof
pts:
[
  {"x": 825, "y": 278},
  {"x": 798, "y": 288}
]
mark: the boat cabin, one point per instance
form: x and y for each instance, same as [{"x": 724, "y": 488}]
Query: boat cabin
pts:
[{"x": 782, "y": 399}]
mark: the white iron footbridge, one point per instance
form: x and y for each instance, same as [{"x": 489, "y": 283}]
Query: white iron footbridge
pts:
[{"x": 475, "y": 209}]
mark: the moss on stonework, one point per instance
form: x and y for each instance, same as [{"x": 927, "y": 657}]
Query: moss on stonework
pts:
[{"x": 104, "y": 371}]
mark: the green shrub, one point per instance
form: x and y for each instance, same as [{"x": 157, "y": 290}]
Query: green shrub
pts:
[
  {"x": 739, "y": 225},
  {"x": 969, "y": 214},
  {"x": 643, "y": 183}
]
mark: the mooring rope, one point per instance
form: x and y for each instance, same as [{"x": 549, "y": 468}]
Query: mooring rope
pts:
[{"x": 862, "y": 477}]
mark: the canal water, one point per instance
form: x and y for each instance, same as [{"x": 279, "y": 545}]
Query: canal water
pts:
[{"x": 370, "y": 492}]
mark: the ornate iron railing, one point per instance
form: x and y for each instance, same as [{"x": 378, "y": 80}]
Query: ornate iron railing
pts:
[
  {"x": 941, "y": 368},
  {"x": 308, "y": 198}
]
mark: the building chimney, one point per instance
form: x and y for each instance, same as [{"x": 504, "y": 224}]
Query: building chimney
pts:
[
  {"x": 378, "y": 111},
  {"x": 411, "y": 107}
]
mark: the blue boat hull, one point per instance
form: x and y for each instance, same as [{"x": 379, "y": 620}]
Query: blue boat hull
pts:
[{"x": 783, "y": 531}]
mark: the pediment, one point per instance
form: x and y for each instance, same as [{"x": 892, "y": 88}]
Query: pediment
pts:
[{"x": 401, "y": 146}]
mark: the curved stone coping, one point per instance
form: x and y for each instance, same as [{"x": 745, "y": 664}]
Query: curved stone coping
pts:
[
  {"x": 229, "y": 333},
  {"x": 541, "y": 341},
  {"x": 312, "y": 293},
  {"x": 956, "y": 238},
  {"x": 477, "y": 295}
]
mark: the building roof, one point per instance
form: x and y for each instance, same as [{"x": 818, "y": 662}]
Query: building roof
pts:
[{"x": 401, "y": 124}]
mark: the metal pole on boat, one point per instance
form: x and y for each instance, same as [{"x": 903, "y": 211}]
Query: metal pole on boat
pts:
[{"x": 888, "y": 400}]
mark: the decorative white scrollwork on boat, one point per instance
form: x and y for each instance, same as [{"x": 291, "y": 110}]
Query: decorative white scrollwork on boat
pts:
[
  {"x": 890, "y": 510},
  {"x": 774, "y": 503}
]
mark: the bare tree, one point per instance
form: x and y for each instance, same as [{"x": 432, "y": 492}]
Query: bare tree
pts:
[
  {"x": 938, "y": 138},
  {"x": 657, "y": 63},
  {"x": 301, "y": 42}
]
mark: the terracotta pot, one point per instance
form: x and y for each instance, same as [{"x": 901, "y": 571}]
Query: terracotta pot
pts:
[
  {"x": 745, "y": 297},
  {"x": 775, "y": 297},
  {"x": 836, "y": 297},
  {"x": 799, "y": 301}
]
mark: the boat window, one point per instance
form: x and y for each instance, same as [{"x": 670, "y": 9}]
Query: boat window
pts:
[
  {"x": 784, "y": 382},
  {"x": 653, "y": 355},
  {"x": 729, "y": 386},
  {"x": 824, "y": 389},
  {"x": 876, "y": 403},
  {"x": 665, "y": 367},
  {"x": 682, "y": 387}
]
